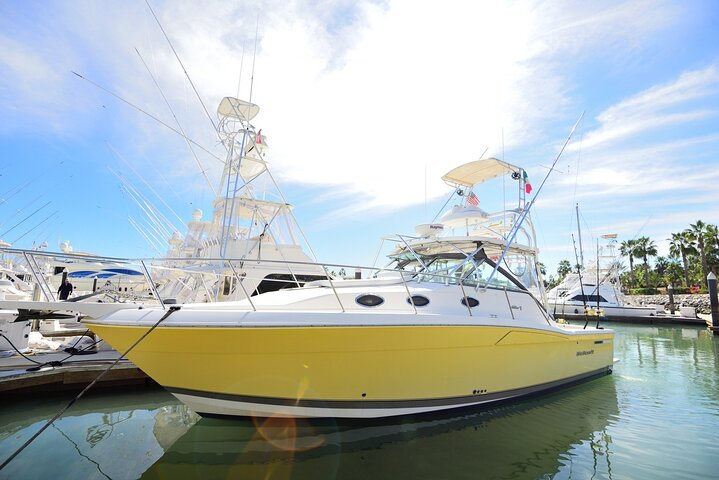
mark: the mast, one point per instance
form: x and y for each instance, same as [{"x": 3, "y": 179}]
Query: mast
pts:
[{"x": 579, "y": 232}]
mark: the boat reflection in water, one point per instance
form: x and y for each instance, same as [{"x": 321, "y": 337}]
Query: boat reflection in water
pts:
[
  {"x": 530, "y": 439},
  {"x": 103, "y": 436}
]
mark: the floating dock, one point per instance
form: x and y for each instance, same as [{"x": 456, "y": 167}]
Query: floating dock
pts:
[
  {"x": 72, "y": 375},
  {"x": 643, "y": 320}
]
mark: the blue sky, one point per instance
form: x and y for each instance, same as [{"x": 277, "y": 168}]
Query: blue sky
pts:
[{"x": 365, "y": 106}]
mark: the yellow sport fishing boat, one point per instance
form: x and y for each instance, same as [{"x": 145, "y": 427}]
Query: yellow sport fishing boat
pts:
[{"x": 457, "y": 321}]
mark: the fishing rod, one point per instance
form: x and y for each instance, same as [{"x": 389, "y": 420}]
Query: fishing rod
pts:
[
  {"x": 24, "y": 219},
  {"x": 525, "y": 212},
  {"x": 14, "y": 190},
  {"x": 147, "y": 184},
  {"x": 581, "y": 283},
  {"x": 37, "y": 225},
  {"x": 159, "y": 221},
  {"x": 177, "y": 121},
  {"x": 110, "y": 92},
  {"x": 214, "y": 127}
]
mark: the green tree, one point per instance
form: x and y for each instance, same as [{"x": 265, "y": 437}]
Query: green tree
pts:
[
  {"x": 563, "y": 269},
  {"x": 699, "y": 229},
  {"x": 645, "y": 248},
  {"x": 673, "y": 273},
  {"x": 681, "y": 245},
  {"x": 626, "y": 249}
]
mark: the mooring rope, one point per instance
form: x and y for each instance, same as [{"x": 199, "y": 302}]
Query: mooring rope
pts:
[{"x": 79, "y": 395}]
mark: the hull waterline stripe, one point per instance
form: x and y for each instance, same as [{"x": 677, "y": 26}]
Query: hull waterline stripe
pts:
[{"x": 390, "y": 404}]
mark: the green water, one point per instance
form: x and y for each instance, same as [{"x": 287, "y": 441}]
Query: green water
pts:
[{"x": 656, "y": 416}]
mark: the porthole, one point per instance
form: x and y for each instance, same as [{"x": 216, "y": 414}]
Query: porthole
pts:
[
  {"x": 418, "y": 300},
  {"x": 473, "y": 302},
  {"x": 370, "y": 300}
]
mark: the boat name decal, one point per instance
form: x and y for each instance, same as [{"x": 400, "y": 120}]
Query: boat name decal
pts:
[{"x": 585, "y": 352}]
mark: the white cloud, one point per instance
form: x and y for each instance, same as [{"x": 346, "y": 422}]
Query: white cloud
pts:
[{"x": 650, "y": 109}]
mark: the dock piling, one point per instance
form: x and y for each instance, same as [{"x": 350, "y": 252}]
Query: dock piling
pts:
[
  {"x": 670, "y": 291},
  {"x": 714, "y": 302}
]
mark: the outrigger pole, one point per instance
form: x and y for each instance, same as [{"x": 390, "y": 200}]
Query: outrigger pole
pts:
[{"x": 529, "y": 205}]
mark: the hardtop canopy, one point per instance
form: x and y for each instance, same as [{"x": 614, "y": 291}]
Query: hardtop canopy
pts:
[{"x": 478, "y": 171}]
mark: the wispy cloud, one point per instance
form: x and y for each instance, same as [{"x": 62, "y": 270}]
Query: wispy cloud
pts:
[{"x": 651, "y": 108}]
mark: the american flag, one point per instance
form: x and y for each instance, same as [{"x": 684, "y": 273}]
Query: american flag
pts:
[
  {"x": 472, "y": 198},
  {"x": 258, "y": 137}
]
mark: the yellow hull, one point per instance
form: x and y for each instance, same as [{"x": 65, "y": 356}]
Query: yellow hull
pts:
[{"x": 359, "y": 371}]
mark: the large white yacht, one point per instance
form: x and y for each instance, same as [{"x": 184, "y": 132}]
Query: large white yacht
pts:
[{"x": 251, "y": 223}]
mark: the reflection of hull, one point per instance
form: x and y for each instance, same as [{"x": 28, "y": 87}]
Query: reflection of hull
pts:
[
  {"x": 107, "y": 436},
  {"x": 356, "y": 371},
  {"x": 19, "y": 415},
  {"x": 527, "y": 440}
]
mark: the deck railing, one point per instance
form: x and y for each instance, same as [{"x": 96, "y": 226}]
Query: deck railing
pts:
[{"x": 163, "y": 276}]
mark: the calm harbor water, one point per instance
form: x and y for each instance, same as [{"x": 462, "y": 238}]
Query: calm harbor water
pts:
[{"x": 656, "y": 416}]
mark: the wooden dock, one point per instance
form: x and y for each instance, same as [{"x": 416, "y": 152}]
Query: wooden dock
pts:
[{"x": 71, "y": 376}]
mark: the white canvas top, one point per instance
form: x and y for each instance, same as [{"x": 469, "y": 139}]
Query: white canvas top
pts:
[
  {"x": 479, "y": 171},
  {"x": 236, "y": 108}
]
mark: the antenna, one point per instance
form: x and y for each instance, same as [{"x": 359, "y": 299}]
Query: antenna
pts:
[
  {"x": 254, "y": 57},
  {"x": 242, "y": 62}
]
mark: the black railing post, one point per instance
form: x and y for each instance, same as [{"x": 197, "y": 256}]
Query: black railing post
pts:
[{"x": 714, "y": 302}]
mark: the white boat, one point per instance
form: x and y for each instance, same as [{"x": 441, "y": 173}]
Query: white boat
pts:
[
  {"x": 597, "y": 291},
  {"x": 454, "y": 326},
  {"x": 251, "y": 223}
]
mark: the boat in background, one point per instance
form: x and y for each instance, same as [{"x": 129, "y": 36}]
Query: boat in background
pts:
[
  {"x": 596, "y": 291},
  {"x": 251, "y": 223}
]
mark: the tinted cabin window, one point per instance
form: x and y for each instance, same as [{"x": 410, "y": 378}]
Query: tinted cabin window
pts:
[
  {"x": 589, "y": 298},
  {"x": 370, "y": 300},
  {"x": 418, "y": 300},
  {"x": 278, "y": 281},
  {"x": 471, "y": 301}
]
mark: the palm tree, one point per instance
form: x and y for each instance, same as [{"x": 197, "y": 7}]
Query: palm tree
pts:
[
  {"x": 563, "y": 269},
  {"x": 643, "y": 249},
  {"x": 699, "y": 230},
  {"x": 680, "y": 245},
  {"x": 627, "y": 250}
]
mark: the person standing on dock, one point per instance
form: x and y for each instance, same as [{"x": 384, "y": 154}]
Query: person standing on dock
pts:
[{"x": 65, "y": 290}]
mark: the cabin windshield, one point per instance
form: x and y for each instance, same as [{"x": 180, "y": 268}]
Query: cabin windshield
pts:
[{"x": 451, "y": 269}]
